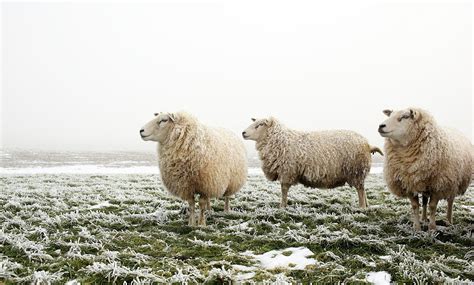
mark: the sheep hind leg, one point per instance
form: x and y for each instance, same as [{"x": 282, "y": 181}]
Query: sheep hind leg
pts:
[
  {"x": 424, "y": 217},
  {"x": 191, "y": 221},
  {"x": 362, "y": 197},
  {"x": 284, "y": 195},
  {"x": 415, "y": 207},
  {"x": 203, "y": 202},
  {"x": 432, "y": 205},
  {"x": 449, "y": 211}
]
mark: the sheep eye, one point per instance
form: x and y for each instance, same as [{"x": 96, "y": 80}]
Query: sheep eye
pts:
[
  {"x": 164, "y": 120},
  {"x": 403, "y": 117}
]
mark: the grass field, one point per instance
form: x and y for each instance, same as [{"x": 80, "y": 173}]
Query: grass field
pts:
[{"x": 116, "y": 228}]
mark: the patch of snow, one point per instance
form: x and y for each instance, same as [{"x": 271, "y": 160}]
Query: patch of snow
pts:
[
  {"x": 101, "y": 205},
  {"x": 378, "y": 278},
  {"x": 385, "y": 257},
  {"x": 244, "y": 276},
  {"x": 295, "y": 258},
  {"x": 239, "y": 267},
  {"x": 248, "y": 272},
  {"x": 255, "y": 171},
  {"x": 469, "y": 207},
  {"x": 73, "y": 282},
  {"x": 242, "y": 227},
  {"x": 376, "y": 169}
]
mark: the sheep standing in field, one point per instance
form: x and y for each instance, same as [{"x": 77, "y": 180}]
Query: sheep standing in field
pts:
[
  {"x": 423, "y": 158},
  {"x": 323, "y": 159},
  {"x": 197, "y": 160}
]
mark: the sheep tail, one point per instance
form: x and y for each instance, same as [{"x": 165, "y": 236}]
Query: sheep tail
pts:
[{"x": 374, "y": 149}]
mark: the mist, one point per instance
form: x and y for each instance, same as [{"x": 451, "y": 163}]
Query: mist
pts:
[{"x": 86, "y": 76}]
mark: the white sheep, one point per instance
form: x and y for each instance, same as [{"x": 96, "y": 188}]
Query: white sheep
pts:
[
  {"x": 423, "y": 158},
  {"x": 323, "y": 159},
  {"x": 197, "y": 160}
]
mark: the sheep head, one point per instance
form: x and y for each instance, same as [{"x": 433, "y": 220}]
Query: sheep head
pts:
[
  {"x": 159, "y": 128},
  {"x": 400, "y": 126},
  {"x": 257, "y": 129}
]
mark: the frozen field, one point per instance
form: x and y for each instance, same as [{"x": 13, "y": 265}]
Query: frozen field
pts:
[{"x": 99, "y": 228}]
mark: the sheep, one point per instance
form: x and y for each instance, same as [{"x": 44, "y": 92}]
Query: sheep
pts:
[
  {"x": 322, "y": 159},
  {"x": 424, "y": 158},
  {"x": 197, "y": 160}
]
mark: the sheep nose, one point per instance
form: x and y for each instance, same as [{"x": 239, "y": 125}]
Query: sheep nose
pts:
[
  {"x": 141, "y": 131},
  {"x": 382, "y": 126},
  {"x": 244, "y": 133}
]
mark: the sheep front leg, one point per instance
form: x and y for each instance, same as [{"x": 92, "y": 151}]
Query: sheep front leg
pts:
[
  {"x": 449, "y": 212},
  {"x": 284, "y": 194},
  {"x": 415, "y": 208},
  {"x": 424, "y": 218},
  {"x": 432, "y": 205},
  {"x": 226, "y": 204},
  {"x": 203, "y": 202},
  {"x": 192, "y": 221},
  {"x": 362, "y": 197}
]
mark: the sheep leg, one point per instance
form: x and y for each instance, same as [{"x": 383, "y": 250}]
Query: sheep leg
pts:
[
  {"x": 415, "y": 207},
  {"x": 362, "y": 197},
  {"x": 203, "y": 202},
  {"x": 208, "y": 206},
  {"x": 449, "y": 214},
  {"x": 226, "y": 205},
  {"x": 284, "y": 195},
  {"x": 432, "y": 205},
  {"x": 425, "y": 203},
  {"x": 192, "y": 221}
]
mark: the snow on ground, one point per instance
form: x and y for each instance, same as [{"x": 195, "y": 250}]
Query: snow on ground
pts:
[
  {"x": 101, "y": 205},
  {"x": 296, "y": 258},
  {"x": 379, "y": 278},
  {"x": 103, "y": 228},
  {"x": 80, "y": 169}
]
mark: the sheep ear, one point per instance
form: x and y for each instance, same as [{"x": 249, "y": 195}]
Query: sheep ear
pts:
[
  {"x": 413, "y": 114},
  {"x": 253, "y": 119},
  {"x": 172, "y": 117},
  {"x": 387, "y": 112}
]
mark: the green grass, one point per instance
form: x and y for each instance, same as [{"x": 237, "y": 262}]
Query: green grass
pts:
[{"x": 49, "y": 232}]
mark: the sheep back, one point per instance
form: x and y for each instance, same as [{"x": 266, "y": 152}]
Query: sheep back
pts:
[{"x": 323, "y": 159}]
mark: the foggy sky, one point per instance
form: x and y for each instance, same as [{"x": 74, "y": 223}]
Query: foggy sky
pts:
[{"x": 85, "y": 76}]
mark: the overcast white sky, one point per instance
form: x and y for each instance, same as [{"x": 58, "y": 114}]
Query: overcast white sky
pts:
[{"x": 86, "y": 76}]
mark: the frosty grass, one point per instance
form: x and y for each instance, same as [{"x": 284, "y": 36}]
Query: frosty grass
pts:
[{"x": 82, "y": 228}]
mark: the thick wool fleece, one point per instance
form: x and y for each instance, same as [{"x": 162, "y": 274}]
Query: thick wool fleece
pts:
[
  {"x": 196, "y": 159},
  {"x": 436, "y": 161},
  {"x": 323, "y": 159}
]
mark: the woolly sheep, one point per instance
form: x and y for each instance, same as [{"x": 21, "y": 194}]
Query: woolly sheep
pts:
[
  {"x": 423, "y": 158},
  {"x": 323, "y": 159},
  {"x": 197, "y": 160}
]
